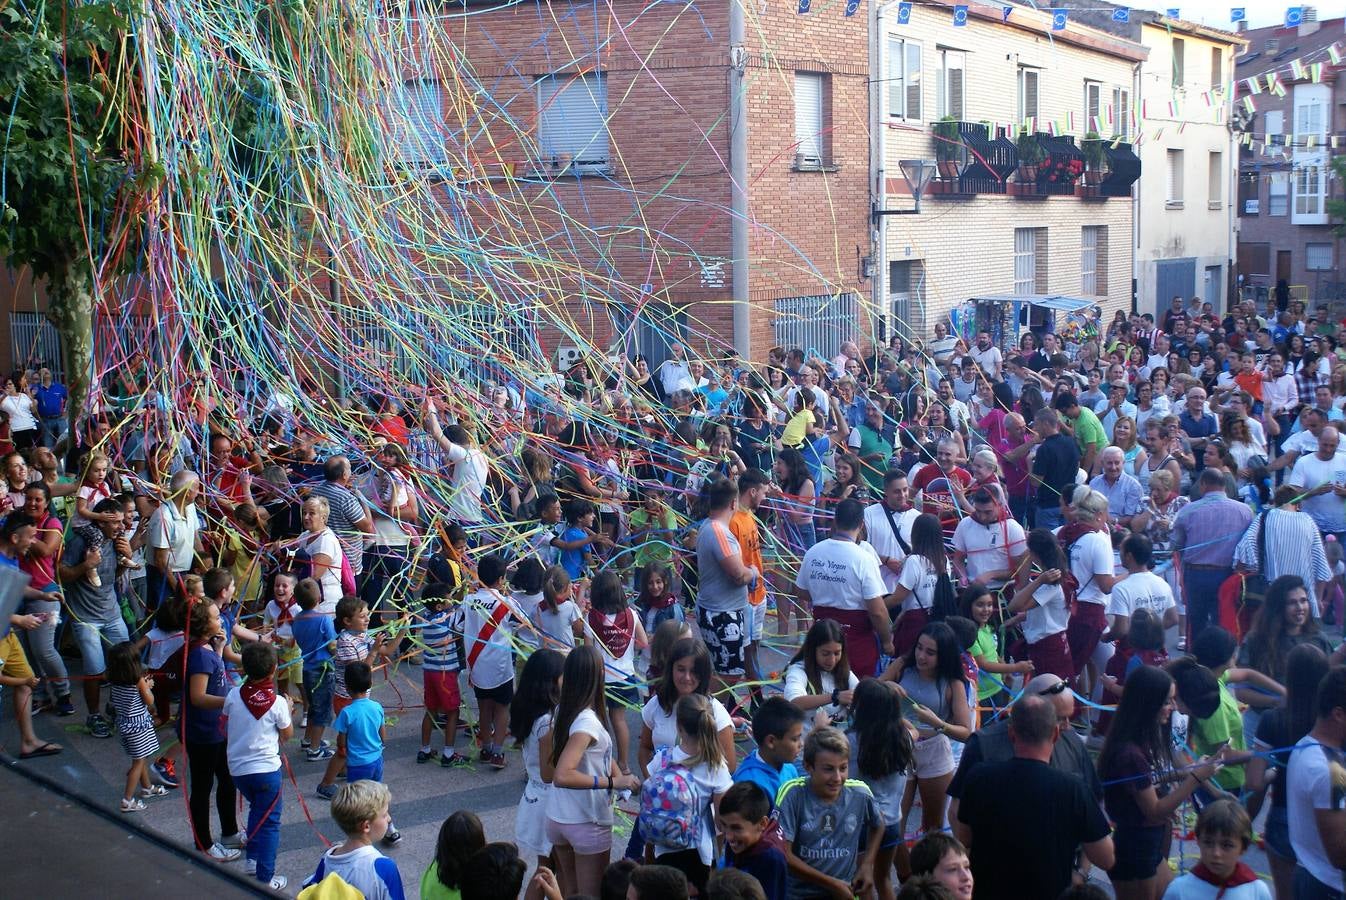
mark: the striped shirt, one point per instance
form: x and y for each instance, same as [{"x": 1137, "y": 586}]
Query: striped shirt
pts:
[
  {"x": 1291, "y": 545},
  {"x": 442, "y": 644},
  {"x": 1208, "y": 530}
]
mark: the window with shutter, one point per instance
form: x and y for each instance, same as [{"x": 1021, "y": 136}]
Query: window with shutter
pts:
[
  {"x": 1275, "y": 122},
  {"x": 1121, "y": 112},
  {"x": 1179, "y": 62},
  {"x": 809, "y": 117},
  {"x": 572, "y": 120},
  {"x": 1089, "y": 260},
  {"x": 1278, "y": 194},
  {"x": 913, "y": 72},
  {"x": 951, "y": 92},
  {"x": 904, "y": 79},
  {"x": 1216, "y": 68},
  {"x": 1093, "y": 103},
  {"x": 1318, "y": 257},
  {"x": 1025, "y": 260},
  {"x": 417, "y": 123},
  {"x": 1028, "y": 93},
  {"x": 1173, "y": 194}
]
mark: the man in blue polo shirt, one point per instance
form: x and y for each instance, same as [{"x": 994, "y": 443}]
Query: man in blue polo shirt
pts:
[{"x": 51, "y": 399}]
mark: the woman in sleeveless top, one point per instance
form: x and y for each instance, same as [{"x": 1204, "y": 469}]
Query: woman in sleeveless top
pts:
[
  {"x": 1156, "y": 446},
  {"x": 934, "y": 688}
]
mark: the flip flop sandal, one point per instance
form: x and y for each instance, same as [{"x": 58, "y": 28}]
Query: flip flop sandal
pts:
[{"x": 47, "y": 749}]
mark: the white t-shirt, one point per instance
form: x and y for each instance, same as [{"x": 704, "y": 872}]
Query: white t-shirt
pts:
[
  {"x": 527, "y": 605},
  {"x": 797, "y": 685},
  {"x": 618, "y": 668},
  {"x": 254, "y": 744},
  {"x": 272, "y": 615},
  {"x": 1302, "y": 442},
  {"x": 1328, "y": 510},
  {"x": 1308, "y": 787},
  {"x": 163, "y": 644},
  {"x": 495, "y": 661},
  {"x": 674, "y": 376},
  {"x": 1049, "y": 617},
  {"x": 1140, "y": 590},
  {"x": 175, "y": 532},
  {"x": 20, "y": 409},
  {"x": 918, "y": 576},
  {"x": 989, "y": 360},
  {"x": 841, "y": 574},
  {"x": 664, "y": 728},
  {"x": 469, "y": 480},
  {"x": 324, "y": 543},
  {"x": 571, "y": 807},
  {"x": 1091, "y": 556},
  {"x": 1189, "y": 887},
  {"x": 706, "y": 782},
  {"x": 555, "y": 624},
  {"x": 988, "y": 547},
  {"x": 880, "y": 535}
]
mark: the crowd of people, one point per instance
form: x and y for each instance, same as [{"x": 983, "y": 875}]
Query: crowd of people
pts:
[{"x": 1050, "y": 598}]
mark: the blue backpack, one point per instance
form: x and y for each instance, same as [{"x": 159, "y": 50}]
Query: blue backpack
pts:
[{"x": 670, "y": 807}]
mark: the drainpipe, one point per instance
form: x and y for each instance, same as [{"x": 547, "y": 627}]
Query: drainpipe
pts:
[
  {"x": 738, "y": 179},
  {"x": 878, "y": 154},
  {"x": 1137, "y": 282}
]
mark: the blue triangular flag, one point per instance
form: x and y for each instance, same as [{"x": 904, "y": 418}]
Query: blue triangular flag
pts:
[
  {"x": 1059, "y": 19},
  {"x": 804, "y": 5},
  {"x": 1238, "y": 14},
  {"x": 904, "y": 13},
  {"x": 960, "y": 15},
  {"x": 1294, "y": 16},
  {"x": 1121, "y": 14},
  {"x": 852, "y": 6},
  {"x": 1005, "y": 13}
]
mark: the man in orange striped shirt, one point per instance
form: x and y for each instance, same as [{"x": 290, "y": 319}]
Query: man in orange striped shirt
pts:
[{"x": 752, "y": 489}]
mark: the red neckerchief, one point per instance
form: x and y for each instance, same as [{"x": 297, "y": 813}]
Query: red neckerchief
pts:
[
  {"x": 1242, "y": 874},
  {"x": 1071, "y": 533},
  {"x": 258, "y": 696},
  {"x": 663, "y": 602},
  {"x": 616, "y": 634}
]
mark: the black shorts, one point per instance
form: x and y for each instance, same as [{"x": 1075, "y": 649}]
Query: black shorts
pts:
[
  {"x": 501, "y": 694},
  {"x": 1139, "y": 851},
  {"x": 726, "y": 636}
]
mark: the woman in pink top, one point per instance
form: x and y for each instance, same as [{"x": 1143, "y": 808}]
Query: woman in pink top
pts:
[{"x": 39, "y": 563}]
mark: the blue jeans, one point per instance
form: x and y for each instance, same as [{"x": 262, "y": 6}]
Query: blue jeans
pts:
[
  {"x": 1049, "y": 517},
  {"x": 1201, "y": 587},
  {"x": 262, "y": 792},
  {"x": 51, "y": 430},
  {"x": 90, "y": 637}
]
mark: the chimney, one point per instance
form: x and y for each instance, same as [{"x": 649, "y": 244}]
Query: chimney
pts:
[
  {"x": 1308, "y": 24},
  {"x": 1242, "y": 26}
]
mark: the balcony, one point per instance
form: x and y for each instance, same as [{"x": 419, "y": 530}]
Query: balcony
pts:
[
  {"x": 1110, "y": 169},
  {"x": 1060, "y": 165},
  {"x": 972, "y": 159}
]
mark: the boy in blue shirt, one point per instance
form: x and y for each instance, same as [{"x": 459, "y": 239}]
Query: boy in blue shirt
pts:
[
  {"x": 778, "y": 728},
  {"x": 361, "y": 732},
  {"x": 577, "y": 541},
  {"x": 315, "y": 635},
  {"x": 751, "y": 844}
]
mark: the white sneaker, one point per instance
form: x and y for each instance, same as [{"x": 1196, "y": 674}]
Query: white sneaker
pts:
[
  {"x": 233, "y": 841},
  {"x": 249, "y": 867},
  {"x": 221, "y": 853},
  {"x": 278, "y": 883}
]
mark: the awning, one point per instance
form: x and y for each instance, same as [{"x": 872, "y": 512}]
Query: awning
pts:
[{"x": 1059, "y": 302}]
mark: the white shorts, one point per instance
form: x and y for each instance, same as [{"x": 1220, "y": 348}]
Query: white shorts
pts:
[
  {"x": 757, "y": 624},
  {"x": 934, "y": 757}
]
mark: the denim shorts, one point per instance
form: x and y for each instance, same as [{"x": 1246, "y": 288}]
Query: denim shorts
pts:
[
  {"x": 1276, "y": 832},
  {"x": 90, "y": 637},
  {"x": 318, "y": 686}
]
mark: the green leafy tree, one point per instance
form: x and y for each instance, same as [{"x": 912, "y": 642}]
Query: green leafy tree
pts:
[{"x": 68, "y": 184}]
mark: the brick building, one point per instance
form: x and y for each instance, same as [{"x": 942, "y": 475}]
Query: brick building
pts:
[
  {"x": 1285, "y": 177},
  {"x": 965, "y": 93}
]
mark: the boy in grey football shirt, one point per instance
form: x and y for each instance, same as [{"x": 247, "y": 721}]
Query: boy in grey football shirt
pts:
[{"x": 823, "y": 817}]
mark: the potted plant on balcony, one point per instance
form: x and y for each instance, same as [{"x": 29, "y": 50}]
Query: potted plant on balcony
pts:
[
  {"x": 1095, "y": 158},
  {"x": 1031, "y": 155},
  {"x": 948, "y": 148}
]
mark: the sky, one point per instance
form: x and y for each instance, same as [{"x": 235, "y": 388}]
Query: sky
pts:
[{"x": 1260, "y": 13}]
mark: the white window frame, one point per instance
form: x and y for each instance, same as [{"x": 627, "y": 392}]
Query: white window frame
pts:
[
  {"x": 582, "y": 98},
  {"x": 809, "y": 125},
  {"x": 1309, "y": 204},
  {"x": 1312, "y": 105},
  {"x": 1318, "y": 257},
  {"x": 1121, "y": 112},
  {"x": 1273, "y": 123},
  {"x": 1179, "y": 63},
  {"x": 1027, "y": 74},
  {"x": 1278, "y": 194},
  {"x": 1173, "y": 178},
  {"x": 1089, "y": 235},
  {"x": 1025, "y": 260},
  {"x": 1093, "y": 107},
  {"x": 1215, "y": 178},
  {"x": 417, "y": 114},
  {"x": 950, "y": 61},
  {"x": 905, "y": 100},
  {"x": 1216, "y": 68}
]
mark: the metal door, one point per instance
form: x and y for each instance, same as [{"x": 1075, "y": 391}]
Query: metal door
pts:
[{"x": 1172, "y": 278}]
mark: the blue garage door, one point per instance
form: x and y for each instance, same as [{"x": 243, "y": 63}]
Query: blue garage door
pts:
[{"x": 1172, "y": 278}]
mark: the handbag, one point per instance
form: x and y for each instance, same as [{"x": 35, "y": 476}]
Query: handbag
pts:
[{"x": 1255, "y": 584}]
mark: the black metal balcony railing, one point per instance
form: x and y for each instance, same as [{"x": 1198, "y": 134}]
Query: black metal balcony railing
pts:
[
  {"x": 1063, "y": 166},
  {"x": 1124, "y": 171},
  {"x": 990, "y": 159}
]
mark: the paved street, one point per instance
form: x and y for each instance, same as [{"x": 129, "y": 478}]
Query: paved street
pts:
[{"x": 423, "y": 795}]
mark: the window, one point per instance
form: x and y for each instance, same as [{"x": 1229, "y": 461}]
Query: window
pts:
[
  {"x": 904, "y": 79},
  {"x": 1275, "y": 123},
  {"x": 573, "y": 120},
  {"x": 950, "y": 90},
  {"x": 1089, "y": 260},
  {"x": 809, "y": 87},
  {"x": 1028, "y": 93},
  {"x": 1121, "y": 112},
  {"x": 906, "y": 295},
  {"x": 1179, "y": 62},
  {"x": 1308, "y": 121},
  {"x": 415, "y": 113},
  {"x": 1093, "y": 99},
  {"x": 1215, "y": 180},
  {"x": 1318, "y": 257},
  {"x": 1249, "y": 201},
  {"x": 1173, "y": 195},
  {"x": 1278, "y": 194},
  {"x": 1216, "y": 68},
  {"x": 1310, "y": 199},
  {"x": 1025, "y": 260}
]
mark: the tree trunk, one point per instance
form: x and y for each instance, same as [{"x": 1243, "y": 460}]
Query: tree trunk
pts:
[{"x": 70, "y": 309}]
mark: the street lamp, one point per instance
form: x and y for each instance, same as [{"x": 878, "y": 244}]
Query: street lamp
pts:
[{"x": 917, "y": 173}]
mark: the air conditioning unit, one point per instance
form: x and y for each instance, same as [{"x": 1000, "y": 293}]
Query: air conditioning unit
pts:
[
  {"x": 810, "y": 163},
  {"x": 566, "y": 357}
]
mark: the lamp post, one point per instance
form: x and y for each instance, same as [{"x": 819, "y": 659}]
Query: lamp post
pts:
[{"x": 917, "y": 173}]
